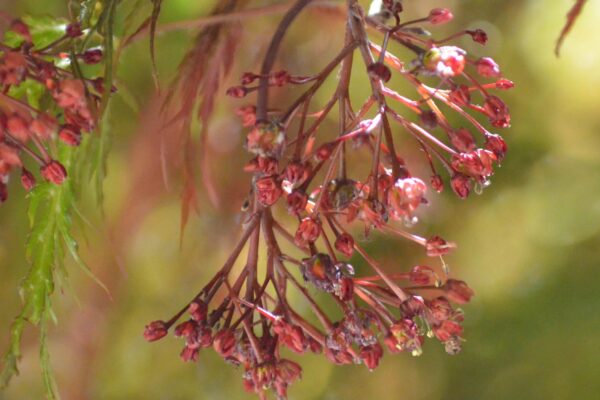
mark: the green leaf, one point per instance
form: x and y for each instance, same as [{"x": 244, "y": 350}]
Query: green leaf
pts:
[{"x": 44, "y": 30}]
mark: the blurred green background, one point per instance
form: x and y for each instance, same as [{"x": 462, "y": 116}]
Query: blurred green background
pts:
[{"x": 529, "y": 245}]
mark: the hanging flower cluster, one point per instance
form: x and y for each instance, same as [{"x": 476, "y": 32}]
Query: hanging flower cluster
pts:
[
  {"x": 29, "y": 131},
  {"x": 299, "y": 168}
]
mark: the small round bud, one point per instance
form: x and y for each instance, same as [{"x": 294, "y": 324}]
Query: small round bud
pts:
[{"x": 439, "y": 16}]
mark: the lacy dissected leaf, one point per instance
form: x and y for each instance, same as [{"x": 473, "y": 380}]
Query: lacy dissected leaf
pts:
[
  {"x": 153, "y": 20},
  {"x": 572, "y": 16},
  {"x": 49, "y": 212},
  {"x": 199, "y": 79}
]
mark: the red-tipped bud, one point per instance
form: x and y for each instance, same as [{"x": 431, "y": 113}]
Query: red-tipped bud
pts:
[
  {"x": 345, "y": 291},
  {"x": 27, "y": 179},
  {"x": 440, "y": 308},
  {"x": 371, "y": 355},
  {"x": 436, "y": 246},
  {"x": 70, "y": 134},
  {"x": 496, "y": 144},
  {"x": 155, "y": 330},
  {"x": 504, "y": 84},
  {"x": 458, "y": 291},
  {"x": 224, "y": 342},
  {"x": 437, "y": 183},
  {"x": 497, "y": 112},
  {"x": 461, "y": 95},
  {"x": 447, "y": 330},
  {"x": 268, "y": 190},
  {"x": 248, "y": 78},
  {"x": 421, "y": 275},
  {"x": 92, "y": 56},
  {"x": 237, "y": 92},
  {"x": 461, "y": 185},
  {"x": 487, "y": 67},
  {"x": 439, "y": 16},
  {"x": 462, "y": 140},
  {"x": 308, "y": 231},
  {"x": 54, "y": 172},
  {"x": 344, "y": 243},
  {"x": 74, "y": 30},
  {"x": 478, "y": 36},
  {"x": 43, "y": 126},
  {"x": 18, "y": 127},
  {"x": 198, "y": 310},
  {"x": 324, "y": 152},
  {"x": 296, "y": 202},
  {"x": 189, "y": 354}
]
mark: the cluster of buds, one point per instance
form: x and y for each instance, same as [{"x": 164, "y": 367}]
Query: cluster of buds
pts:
[
  {"x": 250, "y": 320},
  {"x": 28, "y": 131}
]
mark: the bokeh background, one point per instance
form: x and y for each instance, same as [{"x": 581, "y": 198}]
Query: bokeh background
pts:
[{"x": 529, "y": 245}]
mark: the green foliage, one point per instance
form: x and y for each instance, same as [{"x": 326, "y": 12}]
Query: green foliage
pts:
[{"x": 44, "y": 30}]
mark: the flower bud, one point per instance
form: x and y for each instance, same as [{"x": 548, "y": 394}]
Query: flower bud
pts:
[
  {"x": 224, "y": 342},
  {"x": 18, "y": 128},
  {"x": 308, "y": 231},
  {"x": 439, "y": 16},
  {"x": 70, "y": 134},
  {"x": 54, "y": 172},
  {"x": 237, "y": 92},
  {"x": 27, "y": 179},
  {"x": 92, "y": 56},
  {"x": 461, "y": 185},
  {"x": 296, "y": 202},
  {"x": 155, "y": 330},
  {"x": 371, "y": 355},
  {"x": 487, "y": 67},
  {"x": 478, "y": 36},
  {"x": 458, "y": 291},
  {"x": 344, "y": 243},
  {"x": 267, "y": 190}
]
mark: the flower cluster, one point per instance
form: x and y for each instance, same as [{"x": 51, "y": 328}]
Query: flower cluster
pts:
[
  {"x": 250, "y": 321},
  {"x": 28, "y": 131}
]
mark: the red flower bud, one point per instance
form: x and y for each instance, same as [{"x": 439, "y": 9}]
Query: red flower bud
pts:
[
  {"x": 344, "y": 243},
  {"x": 27, "y": 179},
  {"x": 371, "y": 355},
  {"x": 296, "y": 202},
  {"x": 461, "y": 95},
  {"x": 54, "y": 172},
  {"x": 439, "y": 16},
  {"x": 458, "y": 291},
  {"x": 440, "y": 308},
  {"x": 74, "y": 30},
  {"x": 268, "y": 190},
  {"x": 437, "y": 183},
  {"x": 198, "y": 310},
  {"x": 461, "y": 185},
  {"x": 496, "y": 144},
  {"x": 224, "y": 342},
  {"x": 504, "y": 84},
  {"x": 18, "y": 128},
  {"x": 447, "y": 330},
  {"x": 487, "y": 67},
  {"x": 308, "y": 231},
  {"x": 436, "y": 246},
  {"x": 462, "y": 140},
  {"x": 479, "y": 36},
  {"x": 237, "y": 92},
  {"x": 70, "y": 134},
  {"x": 155, "y": 330},
  {"x": 190, "y": 354},
  {"x": 92, "y": 56}
]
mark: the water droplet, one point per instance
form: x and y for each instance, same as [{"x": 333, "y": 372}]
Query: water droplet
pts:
[{"x": 409, "y": 221}]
